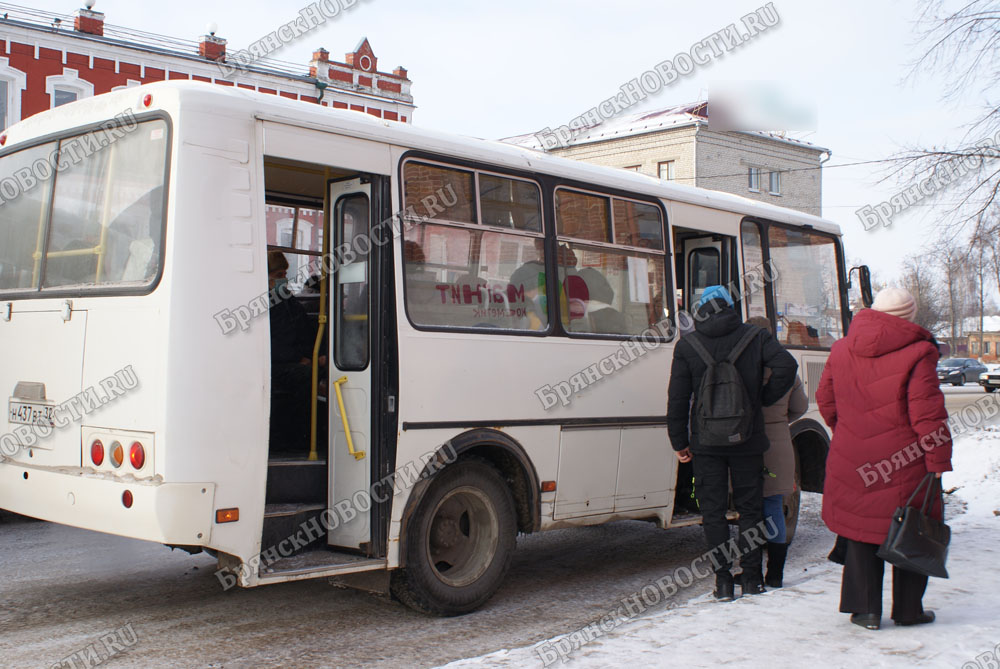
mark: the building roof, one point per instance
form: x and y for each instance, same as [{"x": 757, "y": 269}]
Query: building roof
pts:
[
  {"x": 27, "y": 18},
  {"x": 640, "y": 123},
  {"x": 991, "y": 324}
]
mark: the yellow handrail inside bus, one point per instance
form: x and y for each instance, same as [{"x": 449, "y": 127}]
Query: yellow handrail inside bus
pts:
[
  {"x": 92, "y": 251},
  {"x": 106, "y": 214},
  {"x": 38, "y": 243},
  {"x": 321, "y": 330},
  {"x": 343, "y": 417}
]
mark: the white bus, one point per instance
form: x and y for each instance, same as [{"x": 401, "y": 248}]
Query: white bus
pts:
[{"x": 488, "y": 356}]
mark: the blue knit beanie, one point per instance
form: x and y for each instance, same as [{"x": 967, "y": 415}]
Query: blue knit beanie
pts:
[{"x": 715, "y": 292}]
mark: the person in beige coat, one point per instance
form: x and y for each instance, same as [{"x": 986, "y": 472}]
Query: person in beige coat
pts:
[{"x": 779, "y": 463}]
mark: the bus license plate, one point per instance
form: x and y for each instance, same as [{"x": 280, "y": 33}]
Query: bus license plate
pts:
[{"x": 26, "y": 413}]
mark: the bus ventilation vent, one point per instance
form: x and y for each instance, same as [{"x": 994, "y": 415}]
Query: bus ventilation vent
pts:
[{"x": 814, "y": 370}]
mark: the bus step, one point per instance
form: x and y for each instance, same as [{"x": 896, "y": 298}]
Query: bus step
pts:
[
  {"x": 318, "y": 562},
  {"x": 296, "y": 481},
  {"x": 282, "y": 521}
]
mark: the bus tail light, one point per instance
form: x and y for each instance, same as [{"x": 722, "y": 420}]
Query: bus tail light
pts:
[
  {"x": 127, "y": 499},
  {"x": 97, "y": 452},
  {"x": 3, "y": 139},
  {"x": 137, "y": 456},
  {"x": 147, "y": 100},
  {"x": 116, "y": 454}
]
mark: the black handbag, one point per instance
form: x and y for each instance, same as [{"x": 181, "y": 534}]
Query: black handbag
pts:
[{"x": 917, "y": 542}]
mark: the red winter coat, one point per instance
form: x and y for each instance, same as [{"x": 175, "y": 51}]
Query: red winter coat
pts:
[{"x": 880, "y": 395}]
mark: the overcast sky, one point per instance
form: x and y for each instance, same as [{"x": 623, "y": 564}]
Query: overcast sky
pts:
[{"x": 494, "y": 69}]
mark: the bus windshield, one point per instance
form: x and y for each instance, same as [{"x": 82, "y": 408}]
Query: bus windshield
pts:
[{"x": 84, "y": 212}]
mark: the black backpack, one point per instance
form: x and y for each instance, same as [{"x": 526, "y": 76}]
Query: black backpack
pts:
[{"x": 724, "y": 414}]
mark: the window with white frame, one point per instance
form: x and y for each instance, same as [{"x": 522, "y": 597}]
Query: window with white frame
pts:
[
  {"x": 67, "y": 87},
  {"x": 665, "y": 170},
  {"x": 12, "y": 82},
  {"x": 754, "y": 179},
  {"x": 774, "y": 183}
]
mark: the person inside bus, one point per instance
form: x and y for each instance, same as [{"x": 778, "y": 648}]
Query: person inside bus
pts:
[
  {"x": 718, "y": 329},
  {"x": 292, "y": 340},
  {"x": 526, "y": 294},
  {"x": 604, "y": 318}
]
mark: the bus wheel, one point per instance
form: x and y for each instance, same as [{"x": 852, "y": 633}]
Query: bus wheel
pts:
[
  {"x": 459, "y": 542},
  {"x": 790, "y": 503}
]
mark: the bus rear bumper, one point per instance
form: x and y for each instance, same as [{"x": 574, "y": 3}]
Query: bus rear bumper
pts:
[{"x": 169, "y": 513}]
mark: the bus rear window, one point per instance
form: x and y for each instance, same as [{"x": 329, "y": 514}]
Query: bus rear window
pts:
[{"x": 93, "y": 222}]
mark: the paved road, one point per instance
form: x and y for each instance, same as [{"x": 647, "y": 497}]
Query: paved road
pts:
[
  {"x": 64, "y": 588},
  {"x": 957, "y": 398}
]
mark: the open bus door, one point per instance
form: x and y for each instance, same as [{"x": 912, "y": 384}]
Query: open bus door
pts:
[
  {"x": 703, "y": 260},
  {"x": 350, "y": 391}
]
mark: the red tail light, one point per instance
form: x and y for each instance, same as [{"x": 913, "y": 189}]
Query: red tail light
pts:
[
  {"x": 136, "y": 455},
  {"x": 127, "y": 499},
  {"x": 3, "y": 139},
  {"x": 97, "y": 452},
  {"x": 147, "y": 100}
]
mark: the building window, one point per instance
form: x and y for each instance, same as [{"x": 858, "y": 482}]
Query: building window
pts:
[
  {"x": 754, "y": 179},
  {"x": 774, "y": 183},
  {"x": 12, "y": 82},
  {"x": 67, "y": 87},
  {"x": 62, "y": 97},
  {"x": 986, "y": 348},
  {"x": 665, "y": 170},
  {"x": 975, "y": 348},
  {"x": 634, "y": 168}
]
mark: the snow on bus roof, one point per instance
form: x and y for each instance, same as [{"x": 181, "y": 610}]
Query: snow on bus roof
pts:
[{"x": 359, "y": 124}]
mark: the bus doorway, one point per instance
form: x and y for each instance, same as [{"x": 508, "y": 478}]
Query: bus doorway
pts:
[
  {"x": 322, "y": 220},
  {"x": 702, "y": 260}
]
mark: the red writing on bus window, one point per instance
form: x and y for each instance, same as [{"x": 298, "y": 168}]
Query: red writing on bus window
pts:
[{"x": 479, "y": 294}]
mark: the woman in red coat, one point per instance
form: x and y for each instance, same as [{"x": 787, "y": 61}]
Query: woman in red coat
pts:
[{"x": 880, "y": 395}]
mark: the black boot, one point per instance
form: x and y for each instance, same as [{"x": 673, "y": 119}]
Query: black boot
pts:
[
  {"x": 725, "y": 590},
  {"x": 776, "y": 554},
  {"x": 752, "y": 583}
]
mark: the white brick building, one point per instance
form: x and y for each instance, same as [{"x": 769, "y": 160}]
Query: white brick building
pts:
[{"x": 676, "y": 143}]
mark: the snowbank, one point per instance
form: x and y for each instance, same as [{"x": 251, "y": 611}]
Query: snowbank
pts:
[{"x": 799, "y": 625}]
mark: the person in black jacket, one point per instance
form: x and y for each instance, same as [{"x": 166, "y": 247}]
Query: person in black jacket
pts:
[
  {"x": 719, "y": 329},
  {"x": 292, "y": 340}
]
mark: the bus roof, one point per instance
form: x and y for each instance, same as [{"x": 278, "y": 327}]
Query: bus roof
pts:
[{"x": 359, "y": 124}]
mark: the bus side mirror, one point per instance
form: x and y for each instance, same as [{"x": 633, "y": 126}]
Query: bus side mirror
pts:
[{"x": 865, "y": 284}]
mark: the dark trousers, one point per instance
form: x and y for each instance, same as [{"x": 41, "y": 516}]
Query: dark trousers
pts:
[
  {"x": 712, "y": 475},
  {"x": 291, "y": 392},
  {"x": 861, "y": 588}
]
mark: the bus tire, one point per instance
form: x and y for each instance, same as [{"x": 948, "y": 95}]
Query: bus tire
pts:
[
  {"x": 459, "y": 542},
  {"x": 790, "y": 503}
]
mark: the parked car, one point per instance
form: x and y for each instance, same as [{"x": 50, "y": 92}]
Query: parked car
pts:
[
  {"x": 957, "y": 371},
  {"x": 990, "y": 379}
]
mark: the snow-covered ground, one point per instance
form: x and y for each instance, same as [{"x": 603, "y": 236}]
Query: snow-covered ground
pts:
[{"x": 800, "y": 626}]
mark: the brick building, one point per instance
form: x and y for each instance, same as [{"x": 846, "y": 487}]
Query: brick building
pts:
[
  {"x": 51, "y": 59},
  {"x": 677, "y": 144},
  {"x": 989, "y": 349}
]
